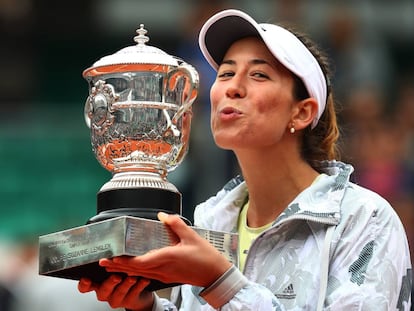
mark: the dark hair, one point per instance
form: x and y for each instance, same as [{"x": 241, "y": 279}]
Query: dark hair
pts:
[{"x": 321, "y": 142}]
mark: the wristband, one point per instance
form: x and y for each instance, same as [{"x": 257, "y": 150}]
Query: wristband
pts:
[{"x": 224, "y": 288}]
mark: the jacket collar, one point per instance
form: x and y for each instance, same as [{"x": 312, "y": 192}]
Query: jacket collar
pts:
[{"x": 320, "y": 202}]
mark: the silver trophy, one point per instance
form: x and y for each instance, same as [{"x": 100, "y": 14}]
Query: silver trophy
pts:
[{"x": 139, "y": 114}]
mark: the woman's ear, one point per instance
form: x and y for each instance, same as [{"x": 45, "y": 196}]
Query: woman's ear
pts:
[{"x": 304, "y": 113}]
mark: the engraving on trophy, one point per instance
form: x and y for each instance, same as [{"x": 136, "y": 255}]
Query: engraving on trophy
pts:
[{"x": 74, "y": 253}]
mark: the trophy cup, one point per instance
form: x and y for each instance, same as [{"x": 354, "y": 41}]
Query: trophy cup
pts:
[{"x": 139, "y": 114}]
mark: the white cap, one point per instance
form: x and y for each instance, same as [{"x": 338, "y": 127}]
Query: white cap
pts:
[{"x": 228, "y": 26}]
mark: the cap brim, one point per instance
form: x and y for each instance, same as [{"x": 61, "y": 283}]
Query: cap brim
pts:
[{"x": 229, "y": 26}]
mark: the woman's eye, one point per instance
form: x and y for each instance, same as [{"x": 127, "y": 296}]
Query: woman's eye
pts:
[
  {"x": 260, "y": 75},
  {"x": 225, "y": 74}
]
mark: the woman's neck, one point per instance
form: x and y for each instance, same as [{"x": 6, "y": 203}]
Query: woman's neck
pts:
[{"x": 273, "y": 182}]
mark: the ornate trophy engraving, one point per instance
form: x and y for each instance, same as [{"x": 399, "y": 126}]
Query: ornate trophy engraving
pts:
[{"x": 139, "y": 114}]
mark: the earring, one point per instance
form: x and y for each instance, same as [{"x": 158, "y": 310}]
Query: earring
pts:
[{"x": 292, "y": 128}]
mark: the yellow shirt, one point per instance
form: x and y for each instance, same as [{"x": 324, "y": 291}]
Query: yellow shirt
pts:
[{"x": 246, "y": 235}]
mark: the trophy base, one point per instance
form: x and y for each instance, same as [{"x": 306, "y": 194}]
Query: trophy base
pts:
[
  {"x": 140, "y": 202},
  {"x": 137, "y": 202},
  {"x": 75, "y": 253}
]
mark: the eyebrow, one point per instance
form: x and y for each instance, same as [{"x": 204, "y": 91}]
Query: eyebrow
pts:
[{"x": 256, "y": 61}]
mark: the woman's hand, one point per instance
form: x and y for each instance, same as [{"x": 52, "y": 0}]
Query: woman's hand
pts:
[
  {"x": 193, "y": 260},
  {"x": 128, "y": 293}
]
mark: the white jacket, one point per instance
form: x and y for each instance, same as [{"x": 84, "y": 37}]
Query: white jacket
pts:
[{"x": 361, "y": 263}]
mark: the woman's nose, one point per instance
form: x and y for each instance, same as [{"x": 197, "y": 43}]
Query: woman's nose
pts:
[{"x": 236, "y": 88}]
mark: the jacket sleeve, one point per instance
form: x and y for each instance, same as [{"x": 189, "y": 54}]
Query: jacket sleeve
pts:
[
  {"x": 252, "y": 296},
  {"x": 370, "y": 267}
]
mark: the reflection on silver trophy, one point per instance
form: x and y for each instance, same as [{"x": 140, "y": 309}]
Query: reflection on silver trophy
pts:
[{"x": 139, "y": 114}]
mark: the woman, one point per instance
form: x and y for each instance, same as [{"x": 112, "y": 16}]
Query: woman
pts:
[{"x": 309, "y": 238}]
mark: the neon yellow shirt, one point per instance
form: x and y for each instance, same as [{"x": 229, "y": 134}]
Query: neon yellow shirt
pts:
[{"x": 246, "y": 235}]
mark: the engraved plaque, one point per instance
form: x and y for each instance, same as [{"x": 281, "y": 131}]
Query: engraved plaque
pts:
[{"x": 74, "y": 253}]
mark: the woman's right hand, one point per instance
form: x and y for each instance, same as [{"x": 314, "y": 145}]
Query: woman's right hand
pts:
[{"x": 128, "y": 293}]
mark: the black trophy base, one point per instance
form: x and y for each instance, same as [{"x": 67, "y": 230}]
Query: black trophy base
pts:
[{"x": 136, "y": 202}]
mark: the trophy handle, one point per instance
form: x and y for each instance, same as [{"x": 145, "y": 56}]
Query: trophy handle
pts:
[
  {"x": 191, "y": 88},
  {"x": 98, "y": 106}
]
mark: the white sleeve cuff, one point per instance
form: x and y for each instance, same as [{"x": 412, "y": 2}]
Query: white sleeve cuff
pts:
[
  {"x": 224, "y": 288},
  {"x": 157, "y": 306}
]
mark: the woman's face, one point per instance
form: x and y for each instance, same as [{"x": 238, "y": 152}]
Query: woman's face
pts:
[{"x": 251, "y": 98}]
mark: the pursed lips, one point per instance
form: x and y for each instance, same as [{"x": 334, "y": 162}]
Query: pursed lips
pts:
[{"x": 230, "y": 111}]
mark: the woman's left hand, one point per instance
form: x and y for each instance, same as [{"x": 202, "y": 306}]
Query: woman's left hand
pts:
[
  {"x": 127, "y": 293},
  {"x": 193, "y": 260}
]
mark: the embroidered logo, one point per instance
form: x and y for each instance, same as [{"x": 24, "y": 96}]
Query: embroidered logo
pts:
[{"x": 288, "y": 293}]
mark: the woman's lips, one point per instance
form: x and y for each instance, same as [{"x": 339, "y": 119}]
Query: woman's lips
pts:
[{"x": 228, "y": 113}]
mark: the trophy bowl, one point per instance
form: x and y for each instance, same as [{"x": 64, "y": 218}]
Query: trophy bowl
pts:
[{"x": 139, "y": 114}]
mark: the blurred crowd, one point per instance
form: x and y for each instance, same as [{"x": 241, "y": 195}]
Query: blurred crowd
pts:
[{"x": 374, "y": 91}]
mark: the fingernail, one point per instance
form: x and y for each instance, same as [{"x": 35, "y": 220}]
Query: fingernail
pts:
[
  {"x": 162, "y": 216},
  {"x": 103, "y": 262}
]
